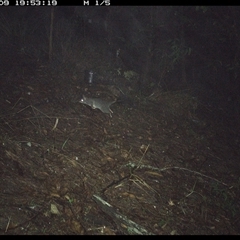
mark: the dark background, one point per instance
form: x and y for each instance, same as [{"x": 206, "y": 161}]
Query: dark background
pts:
[{"x": 168, "y": 47}]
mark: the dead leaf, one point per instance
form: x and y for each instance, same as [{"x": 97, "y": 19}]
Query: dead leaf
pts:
[
  {"x": 173, "y": 232},
  {"x": 55, "y": 195},
  {"x": 126, "y": 194},
  {"x": 54, "y": 209},
  {"x": 171, "y": 203},
  {"x": 77, "y": 227},
  {"x": 105, "y": 131}
]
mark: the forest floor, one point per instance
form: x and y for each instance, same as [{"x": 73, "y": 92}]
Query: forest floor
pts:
[{"x": 167, "y": 165}]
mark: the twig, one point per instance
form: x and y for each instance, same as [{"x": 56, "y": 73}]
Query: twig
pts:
[
  {"x": 143, "y": 156},
  {"x": 40, "y": 111},
  {"x": 133, "y": 165},
  {"x": 17, "y": 102},
  {"x": 185, "y": 169},
  {"x": 55, "y": 125},
  {"x": 9, "y": 219},
  {"x": 65, "y": 142},
  {"x": 24, "y": 108}
]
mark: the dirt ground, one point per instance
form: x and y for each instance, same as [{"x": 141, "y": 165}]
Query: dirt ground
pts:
[{"x": 162, "y": 165}]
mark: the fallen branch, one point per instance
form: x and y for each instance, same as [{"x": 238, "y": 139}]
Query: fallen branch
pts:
[{"x": 125, "y": 224}]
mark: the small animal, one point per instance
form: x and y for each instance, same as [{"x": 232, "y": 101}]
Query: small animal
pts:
[{"x": 99, "y": 103}]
